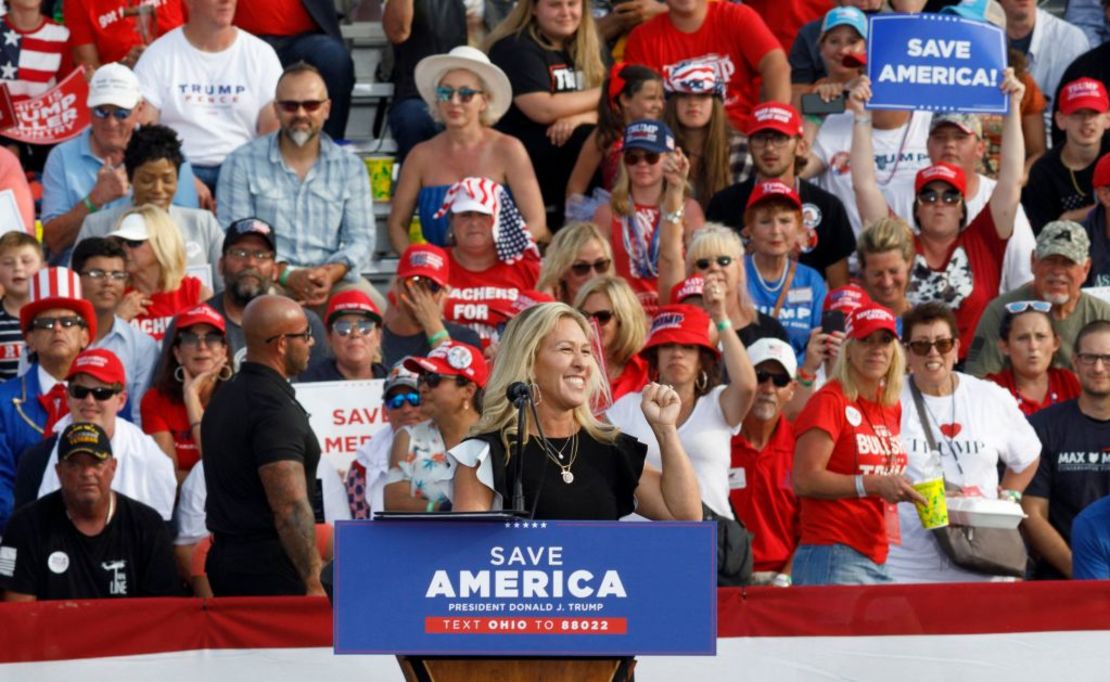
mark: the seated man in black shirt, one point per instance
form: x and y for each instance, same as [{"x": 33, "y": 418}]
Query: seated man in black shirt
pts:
[
  {"x": 778, "y": 153},
  {"x": 86, "y": 541}
]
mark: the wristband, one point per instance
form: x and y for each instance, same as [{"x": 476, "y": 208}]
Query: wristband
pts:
[
  {"x": 805, "y": 378},
  {"x": 283, "y": 278},
  {"x": 431, "y": 506},
  {"x": 724, "y": 325},
  {"x": 194, "y": 425},
  {"x": 862, "y": 121},
  {"x": 860, "y": 490},
  {"x": 782, "y": 580},
  {"x": 92, "y": 208},
  {"x": 441, "y": 335},
  {"x": 1011, "y": 495},
  {"x": 674, "y": 217}
]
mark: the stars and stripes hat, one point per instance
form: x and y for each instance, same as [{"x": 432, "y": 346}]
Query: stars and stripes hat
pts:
[
  {"x": 56, "y": 288},
  {"x": 510, "y": 235},
  {"x": 693, "y": 77}
]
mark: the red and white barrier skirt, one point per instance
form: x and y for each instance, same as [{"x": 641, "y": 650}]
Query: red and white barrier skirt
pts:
[{"x": 1025, "y": 631}]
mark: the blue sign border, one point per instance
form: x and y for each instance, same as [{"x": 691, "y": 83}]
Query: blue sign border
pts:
[
  {"x": 373, "y": 590},
  {"x": 893, "y": 103}
]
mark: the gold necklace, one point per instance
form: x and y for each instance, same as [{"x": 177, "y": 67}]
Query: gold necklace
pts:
[
  {"x": 1075, "y": 184},
  {"x": 556, "y": 456}
]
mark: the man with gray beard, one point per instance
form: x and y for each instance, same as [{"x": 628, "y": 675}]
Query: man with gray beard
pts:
[
  {"x": 760, "y": 480},
  {"x": 314, "y": 194},
  {"x": 247, "y": 266}
]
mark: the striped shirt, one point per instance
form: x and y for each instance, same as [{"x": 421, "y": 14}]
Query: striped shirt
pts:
[
  {"x": 32, "y": 62},
  {"x": 11, "y": 343}
]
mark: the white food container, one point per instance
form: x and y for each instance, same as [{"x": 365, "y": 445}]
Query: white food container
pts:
[{"x": 984, "y": 513}]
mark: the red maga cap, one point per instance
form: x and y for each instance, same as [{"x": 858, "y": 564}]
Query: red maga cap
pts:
[
  {"x": 100, "y": 364},
  {"x": 776, "y": 116},
  {"x": 1084, "y": 93},
  {"x": 201, "y": 314},
  {"x": 868, "y": 319},
  {"x": 452, "y": 359},
  {"x": 941, "y": 172},
  {"x": 771, "y": 189},
  {"x": 354, "y": 302},
  {"x": 686, "y": 325},
  {"x": 425, "y": 260}
]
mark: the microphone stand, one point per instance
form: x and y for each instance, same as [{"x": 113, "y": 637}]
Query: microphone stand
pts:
[{"x": 518, "y": 454}]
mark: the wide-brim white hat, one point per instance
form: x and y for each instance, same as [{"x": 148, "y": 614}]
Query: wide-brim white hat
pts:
[{"x": 498, "y": 91}]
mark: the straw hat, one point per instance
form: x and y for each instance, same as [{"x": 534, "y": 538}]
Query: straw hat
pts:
[{"x": 498, "y": 91}]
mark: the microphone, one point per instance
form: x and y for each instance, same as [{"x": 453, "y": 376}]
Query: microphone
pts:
[{"x": 518, "y": 392}]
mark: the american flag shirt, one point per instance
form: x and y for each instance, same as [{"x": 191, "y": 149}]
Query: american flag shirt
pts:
[{"x": 33, "y": 62}]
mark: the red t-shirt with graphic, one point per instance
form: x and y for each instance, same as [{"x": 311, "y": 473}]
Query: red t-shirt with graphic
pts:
[
  {"x": 113, "y": 28},
  {"x": 162, "y": 413},
  {"x": 733, "y": 37},
  {"x": 969, "y": 278},
  {"x": 1062, "y": 386},
  {"x": 761, "y": 489},
  {"x": 865, "y": 437},
  {"x": 477, "y": 298},
  {"x": 166, "y": 304}
]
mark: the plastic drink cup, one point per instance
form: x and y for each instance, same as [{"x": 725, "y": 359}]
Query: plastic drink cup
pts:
[
  {"x": 934, "y": 513},
  {"x": 380, "y": 168}
]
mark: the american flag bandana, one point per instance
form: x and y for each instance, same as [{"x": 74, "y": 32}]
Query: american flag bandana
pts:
[
  {"x": 510, "y": 234},
  {"x": 693, "y": 78}
]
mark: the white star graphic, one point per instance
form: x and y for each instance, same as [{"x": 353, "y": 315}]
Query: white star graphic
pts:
[
  {"x": 11, "y": 38},
  {"x": 516, "y": 525},
  {"x": 543, "y": 525},
  {"x": 508, "y": 525},
  {"x": 535, "y": 525},
  {"x": 8, "y": 71}
]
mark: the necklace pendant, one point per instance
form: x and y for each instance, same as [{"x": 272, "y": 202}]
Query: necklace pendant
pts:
[{"x": 568, "y": 477}]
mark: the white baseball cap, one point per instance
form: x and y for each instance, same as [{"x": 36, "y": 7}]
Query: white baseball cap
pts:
[
  {"x": 774, "y": 349},
  {"x": 114, "y": 84},
  {"x": 133, "y": 228}
]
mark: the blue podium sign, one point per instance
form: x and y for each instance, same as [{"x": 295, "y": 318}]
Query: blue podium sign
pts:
[
  {"x": 936, "y": 62},
  {"x": 523, "y": 588}
]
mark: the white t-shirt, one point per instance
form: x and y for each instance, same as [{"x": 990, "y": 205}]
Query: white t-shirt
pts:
[
  {"x": 705, "y": 435},
  {"x": 899, "y": 154},
  {"x": 211, "y": 99},
  {"x": 982, "y": 424}
]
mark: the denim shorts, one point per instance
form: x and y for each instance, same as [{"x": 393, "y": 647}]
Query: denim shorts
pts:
[{"x": 836, "y": 565}]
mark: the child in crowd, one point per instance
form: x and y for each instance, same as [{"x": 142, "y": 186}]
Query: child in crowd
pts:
[
  {"x": 20, "y": 258},
  {"x": 781, "y": 287}
]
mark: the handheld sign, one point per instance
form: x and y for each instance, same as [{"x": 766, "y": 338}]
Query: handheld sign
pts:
[
  {"x": 57, "y": 115},
  {"x": 523, "y": 588},
  {"x": 344, "y": 415},
  {"x": 936, "y": 62}
]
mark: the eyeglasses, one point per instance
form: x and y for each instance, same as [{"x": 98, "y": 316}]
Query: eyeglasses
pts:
[
  {"x": 1092, "y": 359},
  {"x": 780, "y": 380},
  {"x": 195, "y": 340},
  {"x": 1017, "y": 307},
  {"x": 922, "y": 347},
  {"x": 433, "y": 380},
  {"x": 98, "y": 274},
  {"x": 600, "y": 266},
  {"x": 932, "y": 196},
  {"x": 430, "y": 284},
  {"x": 100, "y": 393},
  {"x": 602, "y": 316},
  {"x": 104, "y": 112},
  {"x": 347, "y": 327},
  {"x": 769, "y": 140},
  {"x": 290, "y": 106},
  {"x": 878, "y": 339},
  {"x": 446, "y": 94},
  {"x": 305, "y": 336},
  {"x": 704, "y": 263},
  {"x": 243, "y": 254},
  {"x": 396, "y": 402},
  {"x": 632, "y": 158},
  {"x": 45, "y": 323}
]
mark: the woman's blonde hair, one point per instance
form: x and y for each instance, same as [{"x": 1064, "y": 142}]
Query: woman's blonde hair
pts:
[
  {"x": 715, "y": 172},
  {"x": 886, "y": 234},
  {"x": 166, "y": 243},
  {"x": 628, "y": 314},
  {"x": 843, "y": 372},
  {"x": 715, "y": 239},
  {"x": 561, "y": 252},
  {"x": 584, "y": 47},
  {"x": 516, "y": 361}
]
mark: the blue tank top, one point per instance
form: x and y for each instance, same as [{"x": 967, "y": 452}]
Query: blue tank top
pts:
[{"x": 428, "y": 202}]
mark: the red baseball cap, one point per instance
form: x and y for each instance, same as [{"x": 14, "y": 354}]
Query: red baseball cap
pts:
[
  {"x": 771, "y": 189},
  {"x": 1102, "y": 172},
  {"x": 352, "y": 302},
  {"x": 1084, "y": 93},
  {"x": 425, "y": 260},
  {"x": 686, "y": 325},
  {"x": 100, "y": 364},
  {"x": 201, "y": 314},
  {"x": 868, "y": 319},
  {"x": 941, "y": 172},
  {"x": 776, "y": 116},
  {"x": 691, "y": 286},
  {"x": 847, "y": 299},
  {"x": 452, "y": 359}
]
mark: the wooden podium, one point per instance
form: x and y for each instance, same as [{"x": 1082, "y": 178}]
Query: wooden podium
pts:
[{"x": 516, "y": 669}]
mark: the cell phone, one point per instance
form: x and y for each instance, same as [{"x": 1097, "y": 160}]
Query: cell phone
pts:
[
  {"x": 813, "y": 104},
  {"x": 832, "y": 321}
]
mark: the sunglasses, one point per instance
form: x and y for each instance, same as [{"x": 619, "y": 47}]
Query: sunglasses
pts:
[
  {"x": 104, "y": 112},
  {"x": 243, "y": 254},
  {"x": 100, "y": 393},
  {"x": 194, "y": 340},
  {"x": 600, "y": 266},
  {"x": 780, "y": 380},
  {"x": 131, "y": 243},
  {"x": 396, "y": 402},
  {"x": 922, "y": 347},
  {"x": 446, "y": 94},
  {"x": 932, "y": 196},
  {"x": 98, "y": 274},
  {"x": 433, "y": 380},
  {"x": 290, "y": 106},
  {"x": 306, "y": 336},
  {"x": 347, "y": 327},
  {"x": 602, "y": 316},
  {"x": 1017, "y": 307},
  {"x": 431, "y": 285},
  {"x": 632, "y": 158},
  {"x": 45, "y": 323},
  {"x": 704, "y": 263}
]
